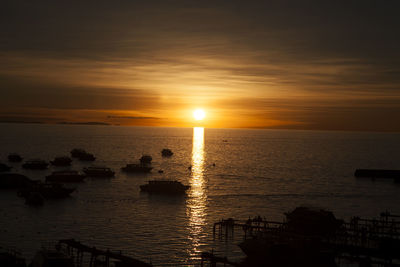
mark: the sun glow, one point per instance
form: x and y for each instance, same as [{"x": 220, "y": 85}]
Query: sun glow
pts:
[{"x": 199, "y": 114}]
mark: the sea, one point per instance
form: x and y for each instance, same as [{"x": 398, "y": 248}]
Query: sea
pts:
[{"x": 233, "y": 173}]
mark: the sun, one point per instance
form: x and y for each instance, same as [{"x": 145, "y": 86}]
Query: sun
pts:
[{"x": 199, "y": 114}]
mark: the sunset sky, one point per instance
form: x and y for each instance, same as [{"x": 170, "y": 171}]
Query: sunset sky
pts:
[{"x": 326, "y": 65}]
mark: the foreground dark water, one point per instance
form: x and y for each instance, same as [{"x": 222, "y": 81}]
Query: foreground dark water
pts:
[{"x": 256, "y": 172}]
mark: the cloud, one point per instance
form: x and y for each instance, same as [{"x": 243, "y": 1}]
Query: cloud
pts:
[
  {"x": 132, "y": 118},
  {"x": 152, "y": 59}
]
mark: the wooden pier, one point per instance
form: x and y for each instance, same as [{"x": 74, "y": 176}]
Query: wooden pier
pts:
[
  {"x": 226, "y": 227},
  {"x": 76, "y": 250},
  {"x": 377, "y": 239}
]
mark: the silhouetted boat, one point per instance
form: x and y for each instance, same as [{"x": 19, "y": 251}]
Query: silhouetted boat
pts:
[
  {"x": 15, "y": 181},
  {"x": 35, "y": 164},
  {"x": 77, "y": 152},
  {"x": 87, "y": 157},
  {"x": 98, "y": 172},
  {"x": 132, "y": 167},
  {"x": 146, "y": 159},
  {"x": 13, "y": 157},
  {"x": 4, "y": 167},
  {"x": 61, "y": 161},
  {"x": 50, "y": 258},
  {"x": 65, "y": 177},
  {"x": 166, "y": 152},
  {"x": 164, "y": 187},
  {"x": 47, "y": 190}
]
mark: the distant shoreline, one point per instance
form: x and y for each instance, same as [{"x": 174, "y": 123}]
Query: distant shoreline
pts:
[{"x": 62, "y": 123}]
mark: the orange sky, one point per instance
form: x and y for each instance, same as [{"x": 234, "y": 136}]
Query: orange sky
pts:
[{"x": 254, "y": 66}]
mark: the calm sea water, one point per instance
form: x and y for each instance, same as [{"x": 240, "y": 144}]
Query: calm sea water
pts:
[{"x": 256, "y": 172}]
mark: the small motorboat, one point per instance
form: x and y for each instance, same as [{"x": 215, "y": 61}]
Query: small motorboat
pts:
[
  {"x": 164, "y": 187},
  {"x": 132, "y": 167},
  {"x": 98, "y": 172},
  {"x": 35, "y": 164},
  {"x": 66, "y": 177},
  {"x": 166, "y": 152},
  {"x": 13, "y": 157},
  {"x": 146, "y": 159},
  {"x": 61, "y": 161}
]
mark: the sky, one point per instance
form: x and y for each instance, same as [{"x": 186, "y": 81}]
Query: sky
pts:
[{"x": 319, "y": 65}]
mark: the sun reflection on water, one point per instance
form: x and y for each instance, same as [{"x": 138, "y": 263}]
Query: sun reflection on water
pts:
[{"x": 196, "y": 204}]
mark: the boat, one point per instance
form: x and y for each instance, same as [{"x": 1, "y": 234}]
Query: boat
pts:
[
  {"x": 166, "y": 152},
  {"x": 164, "y": 187},
  {"x": 98, "y": 172},
  {"x": 13, "y": 157},
  {"x": 133, "y": 167},
  {"x": 87, "y": 157},
  {"x": 77, "y": 152},
  {"x": 65, "y": 177},
  {"x": 35, "y": 164},
  {"x": 61, "y": 161},
  {"x": 146, "y": 159},
  {"x": 4, "y": 167},
  {"x": 51, "y": 258},
  {"x": 47, "y": 190}
]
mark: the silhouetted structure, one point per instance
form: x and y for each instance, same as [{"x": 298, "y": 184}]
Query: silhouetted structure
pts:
[
  {"x": 316, "y": 238},
  {"x": 76, "y": 250}
]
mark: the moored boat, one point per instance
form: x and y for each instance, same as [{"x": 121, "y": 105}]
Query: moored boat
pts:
[
  {"x": 98, "y": 172},
  {"x": 146, "y": 159},
  {"x": 14, "y": 157},
  {"x": 164, "y": 187},
  {"x": 65, "y": 177},
  {"x": 61, "y": 161},
  {"x": 166, "y": 152},
  {"x": 35, "y": 164},
  {"x": 133, "y": 167}
]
